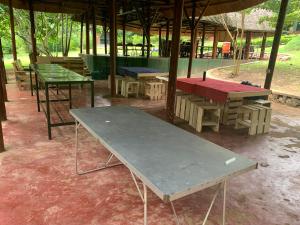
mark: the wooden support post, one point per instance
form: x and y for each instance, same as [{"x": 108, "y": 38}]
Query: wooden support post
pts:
[
  {"x": 113, "y": 47},
  {"x": 2, "y": 148},
  {"x": 81, "y": 32},
  {"x": 193, "y": 40},
  {"x": 159, "y": 41},
  {"x": 3, "y": 79},
  {"x": 215, "y": 44},
  {"x": 202, "y": 41},
  {"x": 124, "y": 37},
  {"x": 143, "y": 47},
  {"x": 33, "y": 38},
  {"x": 247, "y": 45},
  {"x": 87, "y": 33},
  {"x": 105, "y": 35},
  {"x": 2, "y": 65},
  {"x": 263, "y": 46},
  {"x": 276, "y": 43},
  {"x": 167, "y": 52},
  {"x": 178, "y": 8},
  {"x": 148, "y": 41},
  {"x": 12, "y": 29},
  {"x": 94, "y": 32}
]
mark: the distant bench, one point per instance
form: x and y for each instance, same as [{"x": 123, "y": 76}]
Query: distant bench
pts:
[{"x": 75, "y": 64}]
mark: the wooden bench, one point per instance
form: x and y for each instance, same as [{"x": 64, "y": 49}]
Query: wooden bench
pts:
[
  {"x": 205, "y": 114},
  {"x": 118, "y": 83},
  {"x": 255, "y": 117},
  {"x": 230, "y": 110},
  {"x": 75, "y": 64},
  {"x": 130, "y": 86},
  {"x": 22, "y": 76},
  {"x": 154, "y": 90}
]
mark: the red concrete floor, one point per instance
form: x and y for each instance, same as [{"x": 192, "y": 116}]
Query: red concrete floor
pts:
[{"x": 38, "y": 183}]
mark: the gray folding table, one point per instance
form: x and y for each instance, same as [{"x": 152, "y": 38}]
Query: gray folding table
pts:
[{"x": 170, "y": 161}]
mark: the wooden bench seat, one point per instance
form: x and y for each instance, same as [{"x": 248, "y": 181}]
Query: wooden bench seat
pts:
[{"x": 255, "y": 117}]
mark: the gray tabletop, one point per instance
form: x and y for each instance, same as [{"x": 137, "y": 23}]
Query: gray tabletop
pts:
[{"x": 170, "y": 161}]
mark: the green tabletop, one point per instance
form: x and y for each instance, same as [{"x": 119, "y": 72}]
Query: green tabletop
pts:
[{"x": 54, "y": 73}]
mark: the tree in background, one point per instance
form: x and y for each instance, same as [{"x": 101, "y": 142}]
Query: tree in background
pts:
[
  {"x": 53, "y": 32},
  {"x": 292, "y": 16},
  {"x": 236, "y": 36}
]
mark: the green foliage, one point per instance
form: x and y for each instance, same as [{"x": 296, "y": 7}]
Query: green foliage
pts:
[
  {"x": 292, "y": 14},
  {"x": 283, "y": 41},
  {"x": 293, "y": 45}
]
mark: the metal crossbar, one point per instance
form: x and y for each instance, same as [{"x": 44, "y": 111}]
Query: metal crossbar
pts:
[
  {"x": 220, "y": 186},
  {"x": 103, "y": 165}
]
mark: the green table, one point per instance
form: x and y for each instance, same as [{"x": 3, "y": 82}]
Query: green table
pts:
[{"x": 47, "y": 75}]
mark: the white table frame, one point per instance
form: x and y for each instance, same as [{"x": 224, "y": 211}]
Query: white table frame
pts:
[{"x": 143, "y": 193}]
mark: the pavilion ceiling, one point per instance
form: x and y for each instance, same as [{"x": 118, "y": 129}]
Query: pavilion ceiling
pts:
[
  {"x": 165, "y": 7},
  {"x": 136, "y": 12}
]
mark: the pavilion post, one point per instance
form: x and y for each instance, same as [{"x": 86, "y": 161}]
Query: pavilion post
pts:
[
  {"x": 105, "y": 35},
  {"x": 159, "y": 41},
  {"x": 113, "y": 47},
  {"x": 87, "y": 33},
  {"x": 148, "y": 41},
  {"x": 33, "y": 38},
  {"x": 3, "y": 79},
  {"x": 81, "y": 32},
  {"x": 193, "y": 28},
  {"x": 178, "y": 8},
  {"x": 247, "y": 45},
  {"x": 263, "y": 46},
  {"x": 215, "y": 44},
  {"x": 124, "y": 37},
  {"x": 193, "y": 40},
  {"x": 94, "y": 26},
  {"x": 12, "y": 29},
  {"x": 2, "y": 65},
  {"x": 2, "y": 148},
  {"x": 167, "y": 52},
  {"x": 143, "y": 46},
  {"x": 202, "y": 41},
  {"x": 148, "y": 36},
  {"x": 276, "y": 43},
  {"x": 2, "y": 73}
]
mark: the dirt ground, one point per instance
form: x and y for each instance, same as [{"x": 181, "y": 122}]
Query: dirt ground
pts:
[
  {"x": 282, "y": 82},
  {"x": 39, "y": 186}
]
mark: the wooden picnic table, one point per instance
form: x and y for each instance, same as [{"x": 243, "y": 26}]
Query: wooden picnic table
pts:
[{"x": 218, "y": 90}]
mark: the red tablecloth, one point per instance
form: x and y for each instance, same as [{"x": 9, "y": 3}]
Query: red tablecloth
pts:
[{"x": 216, "y": 90}]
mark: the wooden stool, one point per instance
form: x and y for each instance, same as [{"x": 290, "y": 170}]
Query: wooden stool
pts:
[
  {"x": 180, "y": 100},
  {"x": 130, "y": 86},
  {"x": 229, "y": 111},
  {"x": 205, "y": 114},
  {"x": 118, "y": 83},
  {"x": 154, "y": 90},
  {"x": 255, "y": 117}
]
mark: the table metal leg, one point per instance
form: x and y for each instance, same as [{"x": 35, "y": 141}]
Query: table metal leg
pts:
[
  {"x": 224, "y": 201},
  {"x": 143, "y": 196},
  {"x": 92, "y": 94},
  {"x": 48, "y": 111},
  {"x": 104, "y": 165},
  {"x": 70, "y": 96},
  {"x": 37, "y": 92},
  {"x": 30, "y": 77},
  {"x": 175, "y": 214},
  {"x": 212, "y": 203},
  {"x": 145, "y": 204}
]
